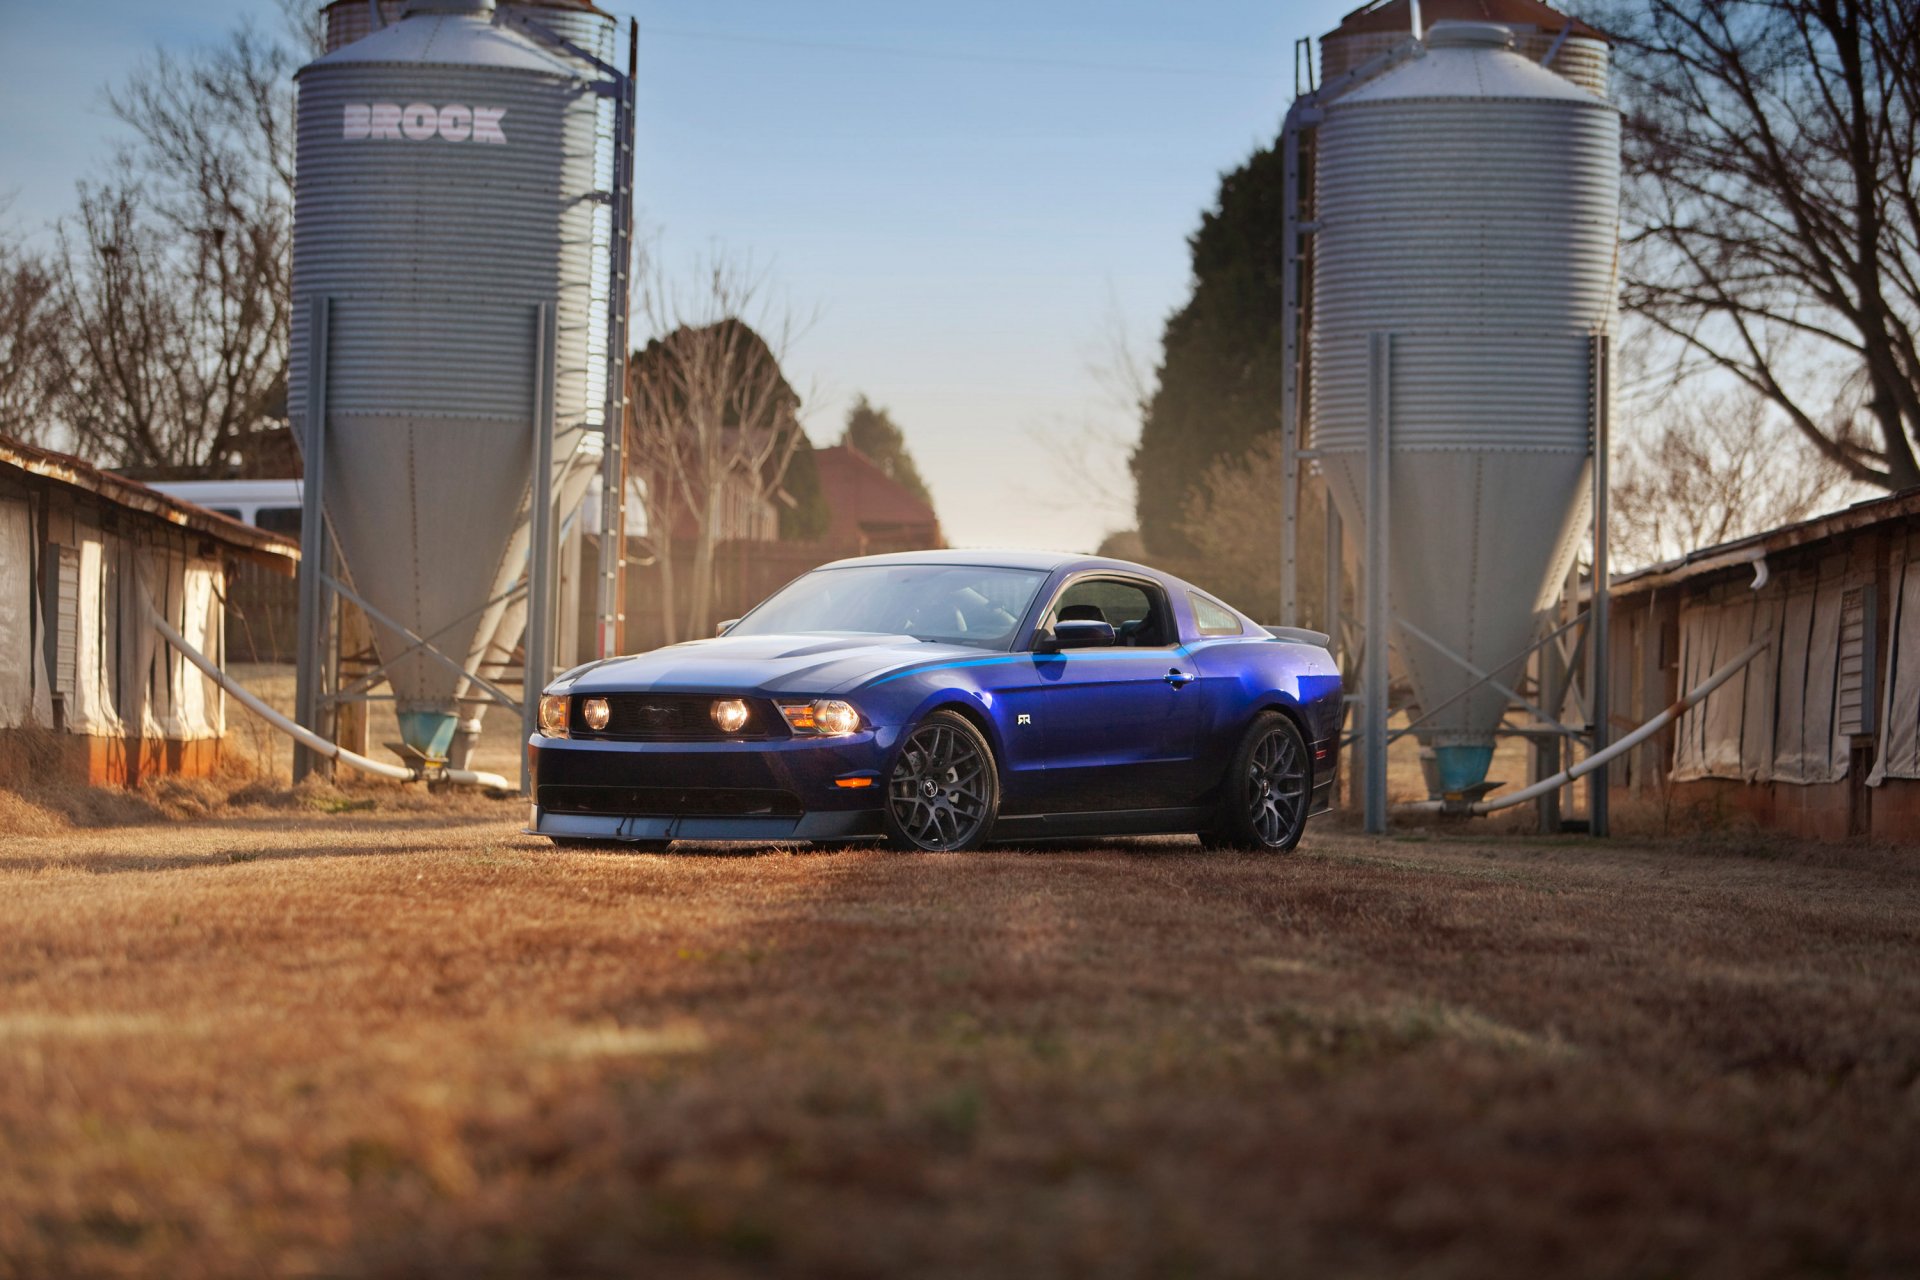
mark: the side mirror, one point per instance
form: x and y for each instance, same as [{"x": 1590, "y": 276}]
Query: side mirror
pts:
[
  {"x": 1075, "y": 634},
  {"x": 726, "y": 626}
]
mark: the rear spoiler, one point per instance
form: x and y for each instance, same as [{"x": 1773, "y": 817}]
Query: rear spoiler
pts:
[{"x": 1300, "y": 635}]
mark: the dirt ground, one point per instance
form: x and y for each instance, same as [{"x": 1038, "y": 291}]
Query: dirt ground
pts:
[{"x": 375, "y": 1033}]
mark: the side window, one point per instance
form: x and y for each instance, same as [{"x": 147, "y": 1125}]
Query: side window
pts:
[
  {"x": 1137, "y": 613},
  {"x": 1213, "y": 618},
  {"x": 284, "y": 520}
]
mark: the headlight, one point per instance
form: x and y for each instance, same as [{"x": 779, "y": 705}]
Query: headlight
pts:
[
  {"x": 553, "y": 715},
  {"x": 595, "y": 712},
  {"x": 826, "y": 718},
  {"x": 731, "y": 715},
  {"x": 833, "y": 718}
]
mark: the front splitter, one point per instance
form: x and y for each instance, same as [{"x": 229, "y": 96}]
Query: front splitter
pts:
[{"x": 828, "y": 825}]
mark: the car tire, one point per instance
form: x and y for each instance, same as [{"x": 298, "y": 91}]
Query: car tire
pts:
[
  {"x": 943, "y": 792},
  {"x": 1268, "y": 790}
]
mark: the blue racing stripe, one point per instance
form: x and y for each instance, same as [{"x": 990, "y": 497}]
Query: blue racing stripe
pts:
[{"x": 1133, "y": 654}]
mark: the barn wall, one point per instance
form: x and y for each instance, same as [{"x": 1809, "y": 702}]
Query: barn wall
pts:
[
  {"x": 1820, "y": 735},
  {"x": 78, "y": 655}
]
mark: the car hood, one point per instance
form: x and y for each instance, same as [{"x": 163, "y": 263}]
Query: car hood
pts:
[{"x": 780, "y": 664}]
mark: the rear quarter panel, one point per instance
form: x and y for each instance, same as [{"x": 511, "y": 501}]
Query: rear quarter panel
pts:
[{"x": 1242, "y": 676}]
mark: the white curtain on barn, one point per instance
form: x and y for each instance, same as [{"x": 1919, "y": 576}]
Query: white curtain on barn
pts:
[
  {"x": 178, "y": 700},
  {"x": 90, "y": 708},
  {"x": 1774, "y": 722},
  {"x": 25, "y": 697},
  {"x": 1723, "y": 736}
]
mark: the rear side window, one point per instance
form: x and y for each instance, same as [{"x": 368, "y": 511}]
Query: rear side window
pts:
[{"x": 1213, "y": 618}]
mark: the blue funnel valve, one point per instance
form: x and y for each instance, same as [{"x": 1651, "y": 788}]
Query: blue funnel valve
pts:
[{"x": 429, "y": 733}]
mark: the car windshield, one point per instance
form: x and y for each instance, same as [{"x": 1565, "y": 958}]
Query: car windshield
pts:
[{"x": 977, "y": 605}]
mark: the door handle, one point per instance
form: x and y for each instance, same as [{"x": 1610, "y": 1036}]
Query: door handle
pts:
[{"x": 1179, "y": 679}]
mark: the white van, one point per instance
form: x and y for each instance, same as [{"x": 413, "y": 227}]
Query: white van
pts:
[{"x": 273, "y": 505}]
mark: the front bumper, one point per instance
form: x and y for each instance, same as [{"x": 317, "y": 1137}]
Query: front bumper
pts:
[{"x": 779, "y": 790}]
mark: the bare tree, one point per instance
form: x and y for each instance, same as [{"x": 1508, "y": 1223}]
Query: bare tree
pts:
[
  {"x": 1773, "y": 205},
  {"x": 713, "y": 423},
  {"x": 1716, "y": 468},
  {"x": 177, "y": 268},
  {"x": 1091, "y": 448},
  {"x": 31, "y": 346}
]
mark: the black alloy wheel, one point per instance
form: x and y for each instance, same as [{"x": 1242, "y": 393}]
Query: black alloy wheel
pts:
[
  {"x": 944, "y": 791},
  {"x": 1268, "y": 790}
]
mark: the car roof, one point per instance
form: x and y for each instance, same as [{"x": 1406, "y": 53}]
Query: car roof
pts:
[
  {"x": 999, "y": 558},
  {"x": 1044, "y": 561}
]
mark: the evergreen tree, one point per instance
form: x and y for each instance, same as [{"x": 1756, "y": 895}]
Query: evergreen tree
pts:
[
  {"x": 1219, "y": 376},
  {"x": 874, "y": 434}
]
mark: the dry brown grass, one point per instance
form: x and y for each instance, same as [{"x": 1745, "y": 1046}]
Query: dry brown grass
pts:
[{"x": 418, "y": 1043}]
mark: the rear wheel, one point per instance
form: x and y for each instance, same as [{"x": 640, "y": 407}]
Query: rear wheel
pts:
[
  {"x": 944, "y": 791},
  {"x": 1268, "y": 790}
]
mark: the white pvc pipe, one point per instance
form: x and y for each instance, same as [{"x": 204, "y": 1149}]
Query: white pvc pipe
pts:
[
  {"x": 1625, "y": 744},
  {"x": 306, "y": 737}
]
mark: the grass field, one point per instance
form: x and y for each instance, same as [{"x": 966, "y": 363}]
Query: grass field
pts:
[{"x": 347, "y": 1033}]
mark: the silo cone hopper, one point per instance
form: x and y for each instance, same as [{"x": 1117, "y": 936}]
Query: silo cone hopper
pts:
[
  {"x": 1468, "y": 207},
  {"x": 1478, "y": 546}
]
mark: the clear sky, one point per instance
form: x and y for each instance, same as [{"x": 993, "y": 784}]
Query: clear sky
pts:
[{"x": 968, "y": 198}]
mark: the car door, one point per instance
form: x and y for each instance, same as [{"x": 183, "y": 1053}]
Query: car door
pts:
[{"x": 1118, "y": 726}]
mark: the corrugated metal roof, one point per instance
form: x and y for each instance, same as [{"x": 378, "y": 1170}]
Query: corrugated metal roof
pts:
[
  {"x": 1903, "y": 506},
  {"x": 269, "y": 548}
]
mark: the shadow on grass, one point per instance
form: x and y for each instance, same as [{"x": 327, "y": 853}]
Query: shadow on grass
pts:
[{"x": 224, "y": 843}]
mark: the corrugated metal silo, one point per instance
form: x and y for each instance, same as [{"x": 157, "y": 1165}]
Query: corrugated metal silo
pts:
[
  {"x": 449, "y": 182},
  {"x": 1467, "y": 203}
]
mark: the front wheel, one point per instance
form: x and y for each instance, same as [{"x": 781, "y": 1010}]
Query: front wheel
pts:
[
  {"x": 1268, "y": 790},
  {"x": 944, "y": 791}
]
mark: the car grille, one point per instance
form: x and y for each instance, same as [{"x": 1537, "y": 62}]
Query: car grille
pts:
[
  {"x": 674, "y": 717},
  {"x": 666, "y": 802}
]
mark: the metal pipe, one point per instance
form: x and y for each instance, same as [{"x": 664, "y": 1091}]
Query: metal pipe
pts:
[
  {"x": 1601, "y": 758},
  {"x": 306, "y": 737},
  {"x": 1553, "y": 51}
]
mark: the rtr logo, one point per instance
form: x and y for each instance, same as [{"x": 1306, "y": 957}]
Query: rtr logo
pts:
[
  {"x": 421, "y": 121},
  {"x": 1023, "y": 720}
]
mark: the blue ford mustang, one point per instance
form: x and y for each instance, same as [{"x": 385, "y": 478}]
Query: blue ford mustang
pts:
[{"x": 944, "y": 699}]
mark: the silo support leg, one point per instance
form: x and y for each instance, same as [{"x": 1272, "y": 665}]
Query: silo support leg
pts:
[
  {"x": 1599, "y": 655},
  {"x": 536, "y": 645},
  {"x": 1378, "y": 610},
  {"x": 313, "y": 649}
]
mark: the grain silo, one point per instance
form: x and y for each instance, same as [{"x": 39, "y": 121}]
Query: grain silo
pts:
[
  {"x": 1462, "y": 251},
  {"x": 458, "y": 224}
]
